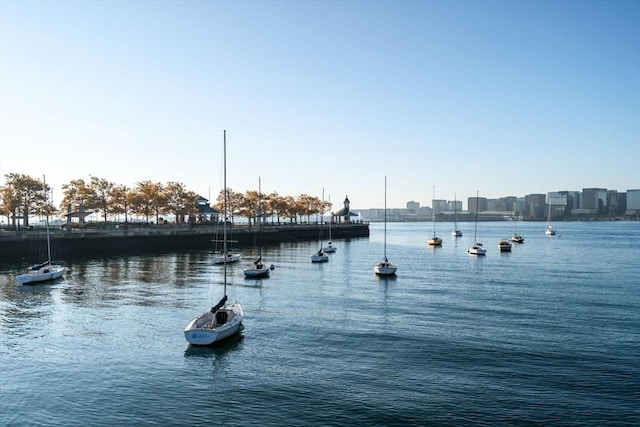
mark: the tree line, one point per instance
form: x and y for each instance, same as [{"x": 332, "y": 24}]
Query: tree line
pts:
[{"x": 23, "y": 196}]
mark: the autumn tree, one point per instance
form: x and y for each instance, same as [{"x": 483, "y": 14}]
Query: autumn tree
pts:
[
  {"x": 121, "y": 201},
  {"x": 22, "y": 196},
  {"x": 148, "y": 199},
  {"x": 101, "y": 191},
  {"x": 179, "y": 201},
  {"x": 77, "y": 194}
]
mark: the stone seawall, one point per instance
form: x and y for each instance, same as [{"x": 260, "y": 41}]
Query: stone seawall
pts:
[{"x": 31, "y": 245}]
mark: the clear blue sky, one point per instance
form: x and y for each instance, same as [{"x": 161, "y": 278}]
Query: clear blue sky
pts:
[{"x": 505, "y": 97}]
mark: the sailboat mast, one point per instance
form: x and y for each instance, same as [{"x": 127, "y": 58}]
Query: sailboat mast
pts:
[
  {"x": 46, "y": 208},
  {"x": 385, "y": 217},
  {"x": 475, "y": 229},
  {"x": 224, "y": 226},
  {"x": 433, "y": 210},
  {"x": 259, "y": 218}
]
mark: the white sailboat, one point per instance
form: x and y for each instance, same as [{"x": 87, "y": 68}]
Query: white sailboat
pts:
[
  {"x": 517, "y": 238},
  {"x": 45, "y": 271},
  {"x": 329, "y": 248},
  {"x": 258, "y": 269},
  {"x": 384, "y": 267},
  {"x": 321, "y": 255},
  {"x": 549, "y": 231},
  {"x": 222, "y": 320},
  {"x": 435, "y": 240},
  {"x": 477, "y": 248},
  {"x": 456, "y": 232}
]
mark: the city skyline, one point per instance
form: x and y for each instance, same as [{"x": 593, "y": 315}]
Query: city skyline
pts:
[{"x": 499, "y": 96}]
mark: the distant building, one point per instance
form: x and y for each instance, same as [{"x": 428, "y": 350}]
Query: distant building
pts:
[
  {"x": 439, "y": 205},
  {"x": 413, "y": 207},
  {"x": 633, "y": 202},
  {"x": 536, "y": 206},
  {"x": 594, "y": 199},
  {"x": 480, "y": 206}
]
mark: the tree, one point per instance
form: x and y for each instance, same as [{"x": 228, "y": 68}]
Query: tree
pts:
[
  {"x": 102, "y": 192},
  {"x": 121, "y": 201},
  {"x": 23, "y": 195},
  {"x": 179, "y": 201},
  {"x": 148, "y": 199},
  {"x": 76, "y": 193},
  {"x": 235, "y": 203}
]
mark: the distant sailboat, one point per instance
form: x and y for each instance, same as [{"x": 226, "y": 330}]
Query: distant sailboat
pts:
[
  {"x": 330, "y": 248},
  {"x": 456, "y": 232},
  {"x": 321, "y": 255},
  {"x": 516, "y": 237},
  {"x": 549, "y": 231},
  {"x": 258, "y": 269},
  {"x": 435, "y": 240},
  {"x": 477, "y": 248},
  {"x": 384, "y": 267}
]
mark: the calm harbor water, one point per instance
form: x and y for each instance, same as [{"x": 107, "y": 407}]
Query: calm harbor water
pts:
[{"x": 547, "y": 334}]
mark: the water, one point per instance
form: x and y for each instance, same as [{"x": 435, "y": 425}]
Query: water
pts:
[{"x": 547, "y": 334}]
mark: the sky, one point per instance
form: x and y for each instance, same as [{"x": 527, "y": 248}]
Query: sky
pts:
[{"x": 504, "y": 98}]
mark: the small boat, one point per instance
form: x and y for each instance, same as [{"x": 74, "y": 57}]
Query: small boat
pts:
[
  {"x": 222, "y": 320},
  {"x": 516, "y": 237},
  {"x": 456, "y": 232},
  {"x": 321, "y": 255},
  {"x": 477, "y": 248},
  {"x": 221, "y": 258},
  {"x": 42, "y": 272},
  {"x": 258, "y": 269},
  {"x": 329, "y": 248},
  {"x": 435, "y": 240},
  {"x": 504, "y": 245},
  {"x": 549, "y": 231},
  {"x": 384, "y": 267}
]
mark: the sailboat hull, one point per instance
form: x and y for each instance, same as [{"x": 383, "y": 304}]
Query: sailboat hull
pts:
[
  {"x": 208, "y": 328},
  {"x": 221, "y": 259},
  {"x": 435, "y": 241},
  {"x": 42, "y": 275},
  {"x": 322, "y": 257},
  {"x": 257, "y": 273},
  {"x": 385, "y": 269}
]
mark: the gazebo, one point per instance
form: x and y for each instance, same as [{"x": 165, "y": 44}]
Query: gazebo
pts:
[
  {"x": 344, "y": 214},
  {"x": 205, "y": 212}
]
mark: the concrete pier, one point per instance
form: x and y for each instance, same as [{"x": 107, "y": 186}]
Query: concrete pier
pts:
[{"x": 31, "y": 245}]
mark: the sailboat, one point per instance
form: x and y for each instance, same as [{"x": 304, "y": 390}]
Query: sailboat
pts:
[
  {"x": 45, "y": 271},
  {"x": 329, "y": 248},
  {"x": 549, "y": 231},
  {"x": 516, "y": 237},
  {"x": 456, "y": 232},
  {"x": 477, "y": 248},
  {"x": 225, "y": 255},
  {"x": 222, "y": 320},
  {"x": 435, "y": 240},
  {"x": 321, "y": 255},
  {"x": 258, "y": 269},
  {"x": 384, "y": 267}
]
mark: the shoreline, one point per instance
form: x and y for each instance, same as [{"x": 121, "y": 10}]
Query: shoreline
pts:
[{"x": 31, "y": 244}]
